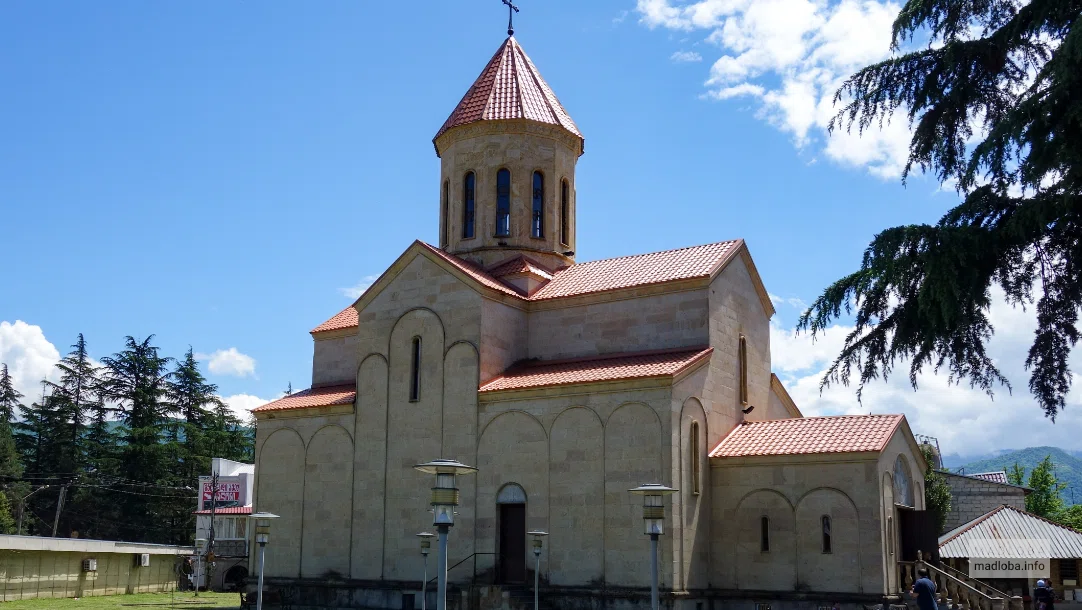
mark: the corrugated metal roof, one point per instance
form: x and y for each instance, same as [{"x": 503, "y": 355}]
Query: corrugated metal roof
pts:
[
  {"x": 1006, "y": 533},
  {"x": 998, "y": 476}
]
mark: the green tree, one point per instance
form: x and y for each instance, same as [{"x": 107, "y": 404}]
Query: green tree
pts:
[
  {"x": 995, "y": 107},
  {"x": 1017, "y": 474},
  {"x": 1044, "y": 500},
  {"x": 1071, "y": 517},
  {"x": 937, "y": 494},
  {"x": 9, "y": 396},
  {"x": 136, "y": 380},
  {"x": 75, "y": 394}
]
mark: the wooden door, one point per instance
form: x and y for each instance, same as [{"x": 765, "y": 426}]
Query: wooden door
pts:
[{"x": 512, "y": 543}]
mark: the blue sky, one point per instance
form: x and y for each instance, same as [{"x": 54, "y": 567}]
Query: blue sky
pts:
[{"x": 220, "y": 174}]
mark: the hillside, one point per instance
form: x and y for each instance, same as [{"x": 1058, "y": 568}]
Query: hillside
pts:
[{"x": 1068, "y": 467}]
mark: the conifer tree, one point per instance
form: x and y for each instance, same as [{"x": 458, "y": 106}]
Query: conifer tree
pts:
[
  {"x": 9, "y": 396},
  {"x": 137, "y": 379},
  {"x": 995, "y": 103},
  {"x": 1044, "y": 500},
  {"x": 75, "y": 394}
]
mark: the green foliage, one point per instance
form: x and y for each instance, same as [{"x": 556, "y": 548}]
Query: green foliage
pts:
[
  {"x": 7, "y": 521},
  {"x": 937, "y": 494},
  {"x": 9, "y": 396},
  {"x": 1008, "y": 74},
  {"x": 1017, "y": 474},
  {"x": 1044, "y": 500},
  {"x": 1071, "y": 517}
]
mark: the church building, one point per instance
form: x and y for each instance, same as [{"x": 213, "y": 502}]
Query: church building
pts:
[{"x": 566, "y": 384}]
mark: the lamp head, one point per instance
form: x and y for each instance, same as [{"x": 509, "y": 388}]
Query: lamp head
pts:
[
  {"x": 426, "y": 541},
  {"x": 444, "y": 494},
  {"x": 262, "y": 526},
  {"x": 653, "y": 505},
  {"x": 538, "y": 537}
]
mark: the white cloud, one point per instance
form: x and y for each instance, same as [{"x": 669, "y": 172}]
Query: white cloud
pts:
[
  {"x": 29, "y": 355},
  {"x": 792, "y": 55},
  {"x": 964, "y": 419},
  {"x": 354, "y": 292},
  {"x": 682, "y": 57},
  {"x": 242, "y": 404},
  {"x": 229, "y": 362}
]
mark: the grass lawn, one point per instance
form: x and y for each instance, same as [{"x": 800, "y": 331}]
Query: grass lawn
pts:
[{"x": 147, "y": 601}]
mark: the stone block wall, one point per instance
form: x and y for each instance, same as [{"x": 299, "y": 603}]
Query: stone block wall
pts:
[{"x": 971, "y": 498}]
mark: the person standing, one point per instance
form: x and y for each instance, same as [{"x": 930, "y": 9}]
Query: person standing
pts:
[
  {"x": 924, "y": 590},
  {"x": 1043, "y": 597}
]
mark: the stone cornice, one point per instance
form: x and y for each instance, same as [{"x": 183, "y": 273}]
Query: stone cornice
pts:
[
  {"x": 306, "y": 412},
  {"x": 508, "y": 127}
]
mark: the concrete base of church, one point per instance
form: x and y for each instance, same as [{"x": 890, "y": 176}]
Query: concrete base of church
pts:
[{"x": 387, "y": 595}]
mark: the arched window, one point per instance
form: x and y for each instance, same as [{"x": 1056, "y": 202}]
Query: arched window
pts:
[
  {"x": 503, "y": 203},
  {"x": 565, "y": 214},
  {"x": 537, "y": 223},
  {"x": 693, "y": 457},
  {"x": 743, "y": 369},
  {"x": 827, "y": 546},
  {"x": 903, "y": 485},
  {"x": 764, "y": 534},
  {"x": 468, "y": 207},
  {"x": 415, "y": 370},
  {"x": 445, "y": 225}
]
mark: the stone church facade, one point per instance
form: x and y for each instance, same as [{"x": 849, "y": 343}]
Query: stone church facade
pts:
[{"x": 567, "y": 384}]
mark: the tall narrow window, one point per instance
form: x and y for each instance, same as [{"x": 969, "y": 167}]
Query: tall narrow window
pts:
[
  {"x": 503, "y": 203},
  {"x": 827, "y": 548},
  {"x": 764, "y": 534},
  {"x": 693, "y": 457},
  {"x": 445, "y": 215},
  {"x": 565, "y": 214},
  {"x": 415, "y": 370},
  {"x": 468, "y": 207},
  {"x": 890, "y": 534},
  {"x": 537, "y": 222},
  {"x": 743, "y": 369}
]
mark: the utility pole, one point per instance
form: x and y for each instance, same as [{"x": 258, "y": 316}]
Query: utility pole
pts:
[
  {"x": 22, "y": 508},
  {"x": 59, "y": 507},
  {"x": 210, "y": 538}
]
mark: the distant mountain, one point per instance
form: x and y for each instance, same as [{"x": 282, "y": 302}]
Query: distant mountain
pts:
[{"x": 1068, "y": 467}]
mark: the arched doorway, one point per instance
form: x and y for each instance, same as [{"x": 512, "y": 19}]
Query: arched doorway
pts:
[{"x": 511, "y": 502}]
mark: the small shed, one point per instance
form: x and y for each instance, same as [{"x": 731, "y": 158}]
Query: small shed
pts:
[{"x": 1012, "y": 532}]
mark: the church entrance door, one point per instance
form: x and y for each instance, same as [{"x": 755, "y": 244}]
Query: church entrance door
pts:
[{"x": 512, "y": 543}]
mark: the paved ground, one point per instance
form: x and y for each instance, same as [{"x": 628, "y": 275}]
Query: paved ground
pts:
[{"x": 147, "y": 601}]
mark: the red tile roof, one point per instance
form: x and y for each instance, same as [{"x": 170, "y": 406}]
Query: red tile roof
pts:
[
  {"x": 314, "y": 397},
  {"x": 584, "y": 278},
  {"x": 998, "y": 476},
  {"x": 232, "y": 510},
  {"x": 520, "y": 264},
  {"x": 638, "y": 270},
  {"x": 347, "y": 318},
  {"x": 837, "y": 434},
  {"x": 535, "y": 374},
  {"x": 510, "y": 87}
]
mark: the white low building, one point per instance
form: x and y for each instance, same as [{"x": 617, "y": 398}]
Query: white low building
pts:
[{"x": 222, "y": 525}]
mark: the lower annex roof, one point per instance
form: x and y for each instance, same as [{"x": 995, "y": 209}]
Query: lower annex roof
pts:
[
  {"x": 531, "y": 374},
  {"x": 831, "y": 434}
]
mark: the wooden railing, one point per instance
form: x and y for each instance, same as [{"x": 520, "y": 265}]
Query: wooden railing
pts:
[{"x": 956, "y": 590}]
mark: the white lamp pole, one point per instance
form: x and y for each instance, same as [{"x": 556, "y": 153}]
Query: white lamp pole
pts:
[
  {"x": 653, "y": 513},
  {"x": 426, "y": 544},
  {"x": 262, "y": 536},
  {"x": 538, "y": 536},
  {"x": 444, "y": 501}
]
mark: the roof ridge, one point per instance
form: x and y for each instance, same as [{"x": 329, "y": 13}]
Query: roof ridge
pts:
[
  {"x": 965, "y": 527},
  {"x": 1046, "y": 520},
  {"x": 602, "y": 260},
  {"x": 793, "y": 419}
]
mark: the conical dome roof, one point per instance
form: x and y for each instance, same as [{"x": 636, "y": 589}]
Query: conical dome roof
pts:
[{"x": 510, "y": 87}]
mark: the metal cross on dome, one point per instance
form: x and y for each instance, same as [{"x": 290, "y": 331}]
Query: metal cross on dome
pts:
[{"x": 511, "y": 10}]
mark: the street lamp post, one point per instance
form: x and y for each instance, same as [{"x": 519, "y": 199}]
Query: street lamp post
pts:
[
  {"x": 444, "y": 501},
  {"x": 538, "y": 537},
  {"x": 262, "y": 536},
  {"x": 426, "y": 544},
  {"x": 653, "y": 513}
]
